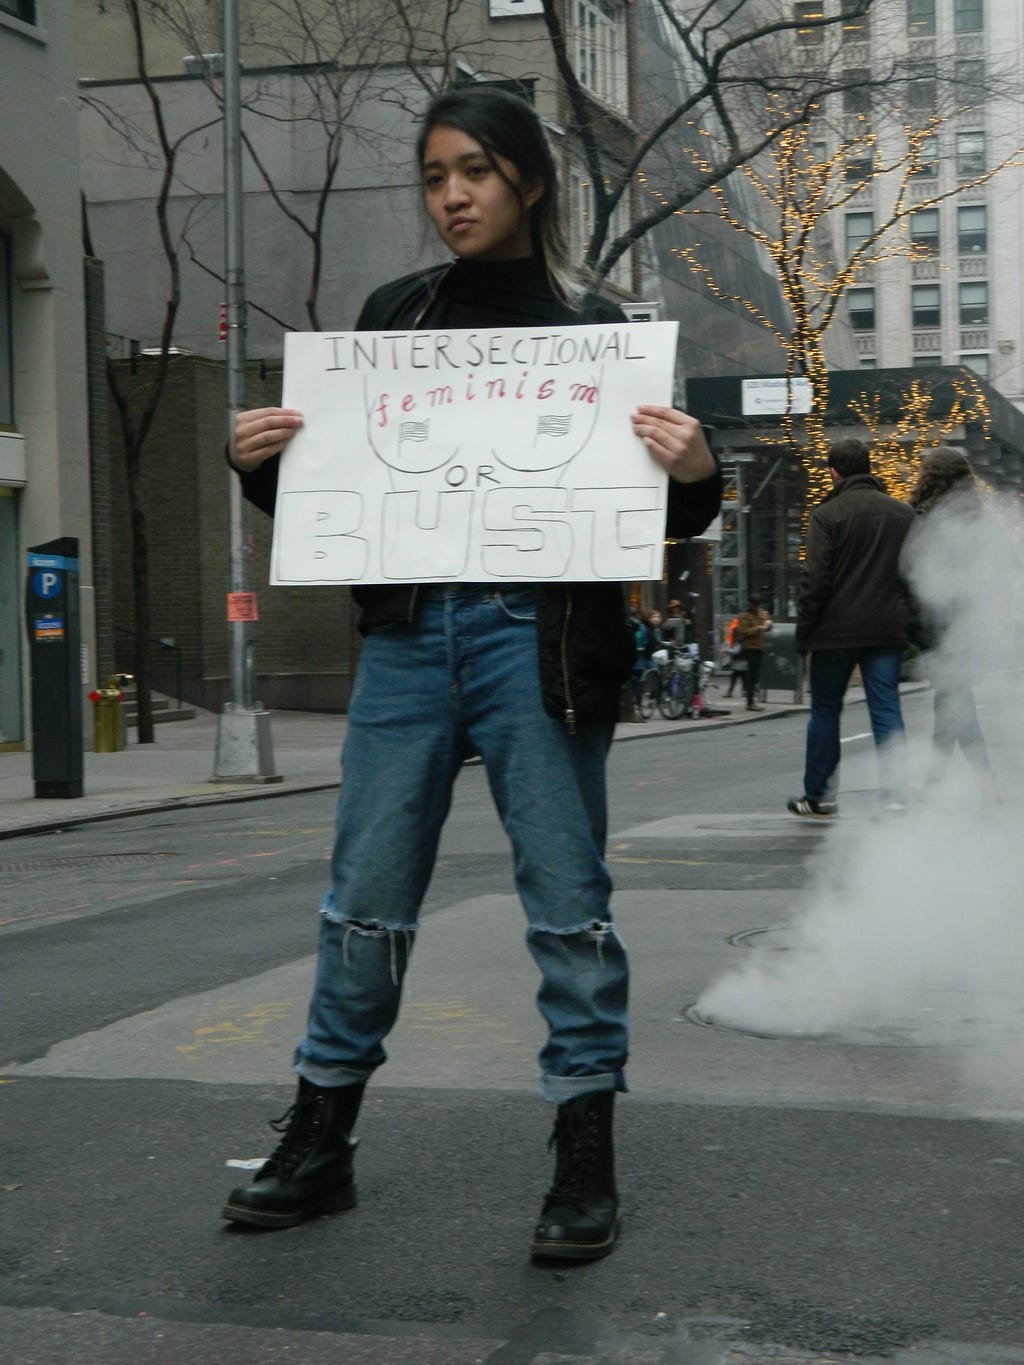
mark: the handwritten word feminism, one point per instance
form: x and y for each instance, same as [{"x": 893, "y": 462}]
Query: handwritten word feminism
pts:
[{"x": 442, "y": 351}]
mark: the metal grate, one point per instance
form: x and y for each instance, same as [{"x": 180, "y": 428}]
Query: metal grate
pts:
[{"x": 80, "y": 861}]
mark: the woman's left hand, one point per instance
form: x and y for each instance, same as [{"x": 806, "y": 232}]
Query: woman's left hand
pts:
[{"x": 676, "y": 441}]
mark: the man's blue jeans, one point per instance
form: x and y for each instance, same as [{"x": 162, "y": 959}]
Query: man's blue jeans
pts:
[
  {"x": 831, "y": 670},
  {"x": 464, "y": 678}
]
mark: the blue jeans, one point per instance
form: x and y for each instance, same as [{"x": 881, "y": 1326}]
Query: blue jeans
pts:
[
  {"x": 464, "y": 678},
  {"x": 831, "y": 670}
]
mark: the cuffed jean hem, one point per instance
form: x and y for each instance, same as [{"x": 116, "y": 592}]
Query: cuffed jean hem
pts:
[
  {"x": 557, "y": 1089},
  {"x": 329, "y": 1077}
]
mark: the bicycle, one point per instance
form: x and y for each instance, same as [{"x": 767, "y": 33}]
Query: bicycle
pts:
[{"x": 668, "y": 684}]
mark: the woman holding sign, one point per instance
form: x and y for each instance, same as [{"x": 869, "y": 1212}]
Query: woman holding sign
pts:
[{"x": 529, "y": 677}]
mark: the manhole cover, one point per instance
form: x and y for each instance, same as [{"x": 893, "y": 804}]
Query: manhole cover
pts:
[
  {"x": 931, "y": 1018},
  {"x": 780, "y": 939}
]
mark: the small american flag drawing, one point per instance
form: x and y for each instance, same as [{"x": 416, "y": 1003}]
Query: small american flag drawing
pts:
[
  {"x": 554, "y": 425},
  {"x": 414, "y": 431}
]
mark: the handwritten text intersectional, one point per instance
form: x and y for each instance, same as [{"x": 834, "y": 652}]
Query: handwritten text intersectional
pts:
[{"x": 370, "y": 351}]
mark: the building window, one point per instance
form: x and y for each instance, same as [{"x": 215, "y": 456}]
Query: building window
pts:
[
  {"x": 968, "y": 16},
  {"x": 857, "y": 90},
  {"x": 806, "y": 10},
  {"x": 974, "y": 304},
  {"x": 972, "y": 228},
  {"x": 922, "y": 87},
  {"x": 920, "y": 18},
  {"x": 970, "y": 155},
  {"x": 855, "y": 26},
  {"x": 922, "y": 362},
  {"x": 859, "y": 167},
  {"x": 25, "y": 10},
  {"x": 6, "y": 348},
  {"x": 925, "y": 305},
  {"x": 582, "y": 225},
  {"x": 867, "y": 362},
  {"x": 599, "y": 46},
  {"x": 859, "y": 227},
  {"x": 970, "y": 82},
  {"x": 860, "y": 304},
  {"x": 926, "y": 157},
  {"x": 978, "y": 361},
  {"x": 924, "y": 232}
]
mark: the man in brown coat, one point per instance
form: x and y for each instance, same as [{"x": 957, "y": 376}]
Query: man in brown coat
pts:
[{"x": 853, "y": 610}]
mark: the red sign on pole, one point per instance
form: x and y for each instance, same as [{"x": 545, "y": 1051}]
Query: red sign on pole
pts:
[
  {"x": 242, "y": 606},
  {"x": 222, "y": 322}
]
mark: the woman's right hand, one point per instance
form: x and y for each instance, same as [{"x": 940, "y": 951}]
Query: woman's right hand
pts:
[{"x": 260, "y": 433}]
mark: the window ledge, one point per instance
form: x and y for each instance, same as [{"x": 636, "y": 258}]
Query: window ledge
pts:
[{"x": 33, "y": 31}]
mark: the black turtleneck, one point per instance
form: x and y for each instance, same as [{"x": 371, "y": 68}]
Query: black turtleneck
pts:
[{"x": 506, "y": 294}]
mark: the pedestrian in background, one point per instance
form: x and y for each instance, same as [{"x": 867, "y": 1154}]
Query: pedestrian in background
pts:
[
  {"x": 654, "y": 636},
  {"x": 638, "y": 629},
  {"x": 752, "y": 625},
  {"x": 734, "y": 655},
  {"x": 677, "y": 624},
  {"x": 853, "y": 610},
  {"x": 529, "y": 676},
  {"x": 940, "y": 558}
]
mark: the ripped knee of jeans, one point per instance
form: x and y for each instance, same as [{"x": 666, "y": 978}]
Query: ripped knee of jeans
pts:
[
  {"x": 596, "y": 932},
  {"x": 375, "y": 930}
]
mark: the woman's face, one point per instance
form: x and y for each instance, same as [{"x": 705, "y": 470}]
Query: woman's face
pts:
[{"x": 476, "y": 212}]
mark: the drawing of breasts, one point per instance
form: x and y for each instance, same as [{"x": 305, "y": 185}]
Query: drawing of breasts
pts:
[{"x": 545, "y": 436}]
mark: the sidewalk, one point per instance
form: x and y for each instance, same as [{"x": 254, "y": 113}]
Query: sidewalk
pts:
[{"x": 177, "y": 769}]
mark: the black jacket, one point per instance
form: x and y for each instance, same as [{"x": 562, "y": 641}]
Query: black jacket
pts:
[
  {"x": 852, "y": 593},
  {"x": 585, "y": 646}
]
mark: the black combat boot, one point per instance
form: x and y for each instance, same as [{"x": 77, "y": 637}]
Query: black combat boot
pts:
[
  {"x": 580, "y": 1213},
  {"x": 311, "y": 1170}
]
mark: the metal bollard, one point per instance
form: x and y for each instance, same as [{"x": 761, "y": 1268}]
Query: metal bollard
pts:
[{"x": 109, "y": 727}]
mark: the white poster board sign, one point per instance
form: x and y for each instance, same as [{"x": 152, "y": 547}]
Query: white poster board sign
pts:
[{"x": 471, "y": 456}]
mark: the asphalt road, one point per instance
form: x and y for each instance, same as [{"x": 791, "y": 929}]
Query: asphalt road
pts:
[{"x": 793, "y": 1196}]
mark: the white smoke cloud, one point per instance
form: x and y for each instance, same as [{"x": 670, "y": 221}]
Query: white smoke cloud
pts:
[{"x": 913, "y": 931}]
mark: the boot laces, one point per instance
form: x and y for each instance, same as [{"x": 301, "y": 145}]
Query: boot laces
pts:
[
  {"x": 300, "y": 1125},
  {"x": 576, "y": 1139}
]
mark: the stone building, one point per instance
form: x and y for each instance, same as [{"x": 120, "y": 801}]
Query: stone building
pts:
[{"x": 45, "y": 382}]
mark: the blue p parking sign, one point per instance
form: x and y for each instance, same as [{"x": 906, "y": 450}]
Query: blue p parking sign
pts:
[{"x": 46, "y": 583}]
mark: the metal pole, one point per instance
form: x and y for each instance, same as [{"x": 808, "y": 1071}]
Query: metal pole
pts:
[{"x": 244, "y": 748}]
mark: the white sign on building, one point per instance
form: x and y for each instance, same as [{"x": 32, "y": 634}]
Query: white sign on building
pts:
[
  {"x": 769, "y": 397},
  {"x": 506, "y": 9},
  {"x": 471, "y": 456}
]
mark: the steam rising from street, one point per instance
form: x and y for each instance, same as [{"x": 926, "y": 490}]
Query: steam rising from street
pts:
[{"x": 912, "y": 930}]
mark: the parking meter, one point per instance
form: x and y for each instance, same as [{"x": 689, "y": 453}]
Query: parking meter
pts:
[{"x": 54, "y": 646}]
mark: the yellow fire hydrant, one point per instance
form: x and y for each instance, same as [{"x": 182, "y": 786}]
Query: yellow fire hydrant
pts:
[{"x": 108, "y": 730}]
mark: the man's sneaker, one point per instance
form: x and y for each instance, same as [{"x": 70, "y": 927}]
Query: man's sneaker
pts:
[{"x": 812, "y": 810}]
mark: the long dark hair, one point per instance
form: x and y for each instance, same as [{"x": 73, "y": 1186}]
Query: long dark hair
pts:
[
  {"x": 506, "y": 126},
  {"x": 943, "y": 468}
]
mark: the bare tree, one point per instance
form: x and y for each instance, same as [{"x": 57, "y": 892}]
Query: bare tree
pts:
[
  {"x": 313, "y": 69},
  {"x": 731, "y": 56},
  {"x": 135, "y": 413}
]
